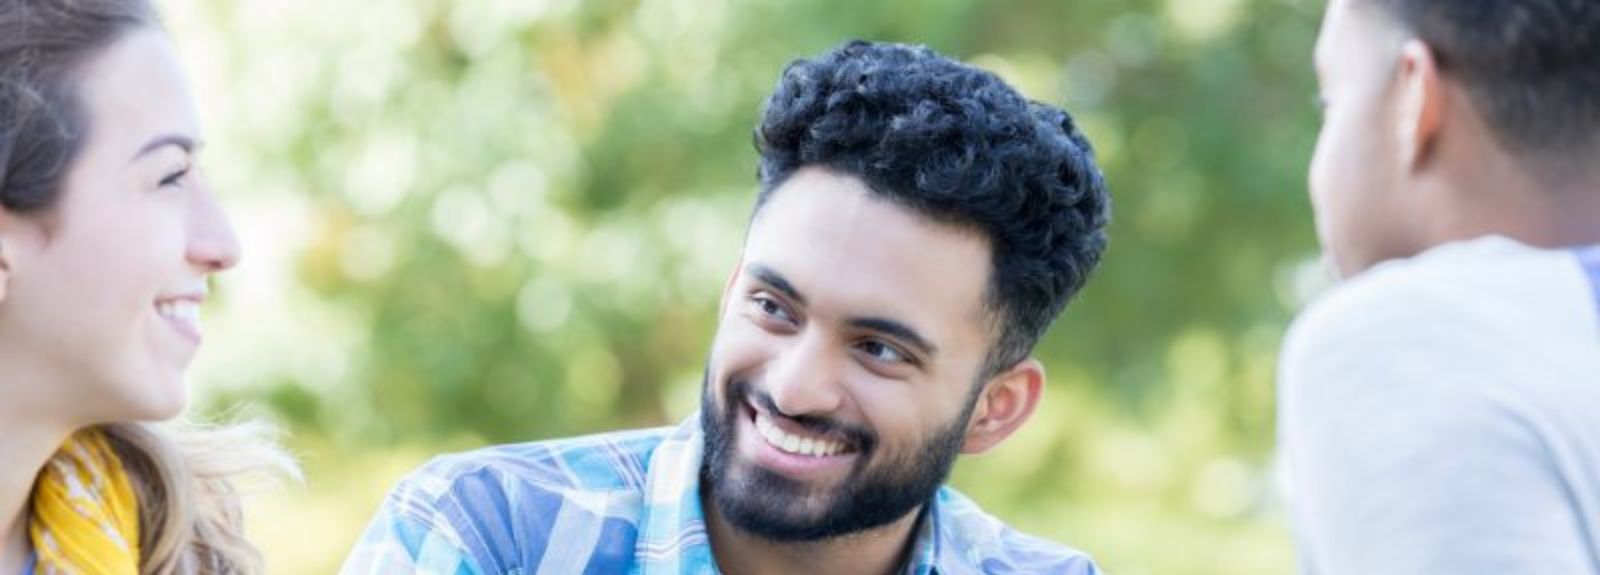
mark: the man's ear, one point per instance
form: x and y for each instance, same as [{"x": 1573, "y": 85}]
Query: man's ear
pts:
[
  {"x": 1422, "y": 102},
  {"x": 1006, "y": 402}
]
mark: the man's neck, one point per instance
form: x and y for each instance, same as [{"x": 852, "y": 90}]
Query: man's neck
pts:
[
  {"x": 1544, "y": 219},
  {"x": 1551, "y": 204},
  {"x": 1572, "y": 211},
  {"x": 880, "y": 551}
]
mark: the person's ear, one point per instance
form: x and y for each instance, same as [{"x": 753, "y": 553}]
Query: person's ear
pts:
[
  {"x": 1006, "y": 402},
  {"x": 5, "y": 270},
  {"x": 1422, "y": 102}
]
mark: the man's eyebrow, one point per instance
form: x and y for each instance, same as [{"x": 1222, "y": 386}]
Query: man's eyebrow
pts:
[
  {"x": 772, "y": 278},
  {"x": 183, "y": 142},
  {"x": 893, "y": 328},
  {"x": 898, "y": 330}
]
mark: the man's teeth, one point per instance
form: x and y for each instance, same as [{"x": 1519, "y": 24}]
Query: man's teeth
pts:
[
  {"x": 793, "y": 443},
  {"x": 181, "y": 310}
]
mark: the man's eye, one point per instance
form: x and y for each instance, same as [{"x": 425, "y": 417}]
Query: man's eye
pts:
[
  {"x": 883, "y": 352},
  {"x": 771, "y": 307}
]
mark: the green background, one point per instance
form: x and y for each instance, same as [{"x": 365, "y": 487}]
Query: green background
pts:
[{"x": 479, "y": 221}]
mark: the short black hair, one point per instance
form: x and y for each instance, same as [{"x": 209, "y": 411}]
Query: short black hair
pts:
[
  {"x": 956, "y": 144},
  {"x": 1532, "y": 67}
]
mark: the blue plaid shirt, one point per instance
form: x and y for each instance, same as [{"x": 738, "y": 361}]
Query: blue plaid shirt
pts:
[{"x": 625, "y": 502}]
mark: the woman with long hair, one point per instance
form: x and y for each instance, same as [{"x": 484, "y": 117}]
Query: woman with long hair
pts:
[{"x": 108, "y": 235}]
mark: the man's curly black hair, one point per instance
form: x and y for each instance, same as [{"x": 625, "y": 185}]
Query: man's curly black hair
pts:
[{"x": 958, "y": 145}]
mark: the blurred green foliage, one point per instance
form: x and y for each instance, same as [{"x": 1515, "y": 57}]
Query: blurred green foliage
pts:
[{"x": 476, "y": 221}]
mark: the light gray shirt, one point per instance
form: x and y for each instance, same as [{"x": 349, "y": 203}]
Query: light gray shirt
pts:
[{"x": 1441, "y": 414}]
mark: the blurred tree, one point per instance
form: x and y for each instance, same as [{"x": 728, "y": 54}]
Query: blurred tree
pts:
[{"x": 501, "y": 220}]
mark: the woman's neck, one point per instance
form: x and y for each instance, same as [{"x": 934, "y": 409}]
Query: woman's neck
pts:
[{"x": 25, "y": 446}]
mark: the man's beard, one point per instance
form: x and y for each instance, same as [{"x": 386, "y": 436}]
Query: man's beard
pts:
[{"x": 768, "y": 505}]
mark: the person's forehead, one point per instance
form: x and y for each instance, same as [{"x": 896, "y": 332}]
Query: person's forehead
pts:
[
  {"x": 1333, "y": 20},
  {"x": 840, "y": 212},
  {"x": 829, "y": 232},
  {"x": 135, "y": 88},
  {"x": 1357, "y": 33}
]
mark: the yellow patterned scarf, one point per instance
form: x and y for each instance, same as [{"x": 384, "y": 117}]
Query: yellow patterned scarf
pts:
[{"x": 85, "y": 515}]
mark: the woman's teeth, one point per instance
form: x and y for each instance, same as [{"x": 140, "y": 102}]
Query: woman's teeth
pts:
[{"x": 181, "y": 310}]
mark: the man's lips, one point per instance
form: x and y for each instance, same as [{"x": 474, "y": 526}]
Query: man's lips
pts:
[
  {"x": 796, "y": 444},
  {"x": 780, "y": 445},
  {"x": 785, "y": 435}
]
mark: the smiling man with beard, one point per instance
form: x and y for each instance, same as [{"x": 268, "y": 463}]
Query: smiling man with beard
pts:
[{"x": 919, "y": 225}]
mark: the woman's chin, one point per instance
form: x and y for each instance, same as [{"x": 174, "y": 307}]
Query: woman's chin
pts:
[{"x": 162, "y": 401}]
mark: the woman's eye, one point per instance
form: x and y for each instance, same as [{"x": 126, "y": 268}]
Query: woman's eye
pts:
[
  {"x": 883, "y": 352},
  {"x": 174, "y": 178}
]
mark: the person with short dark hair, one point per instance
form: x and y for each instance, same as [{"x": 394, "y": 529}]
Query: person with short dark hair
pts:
[
  {"x": 1440, "y": 409},
  {"x": 919, "y": 225}
]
